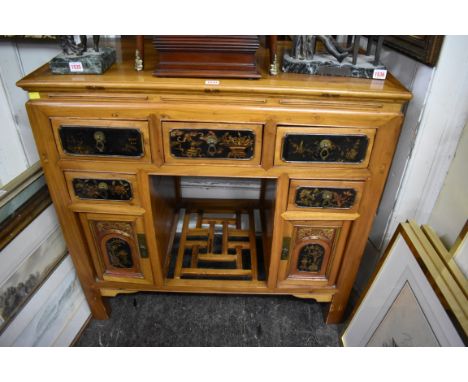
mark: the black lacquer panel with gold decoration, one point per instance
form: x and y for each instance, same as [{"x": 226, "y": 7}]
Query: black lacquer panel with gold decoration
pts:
[
  {"x": 324, "y": 148},
  {"x": 102, "y": 189},
  {"x": 215, "y": 144},
  {"x": 119, "y": 253},
  {"x": 310, "y": 258},
  {"x": 83, "y": 140},
  {"x": 321, "y": 197}
]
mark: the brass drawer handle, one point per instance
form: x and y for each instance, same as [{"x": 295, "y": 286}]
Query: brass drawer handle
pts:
[
  {"x": 100, "y": 139},
  {"x": 103, "y": 186},
  {"x": 325, "y": 147}
]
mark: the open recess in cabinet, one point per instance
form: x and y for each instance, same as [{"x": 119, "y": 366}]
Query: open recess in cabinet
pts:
[{"x": 118, "y": 150}]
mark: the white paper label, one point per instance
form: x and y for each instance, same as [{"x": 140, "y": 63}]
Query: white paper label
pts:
[
  {"x": 211, "y": 82},
  {"x": 379, "y": 74},
  {"x": 75, "y": 66}
]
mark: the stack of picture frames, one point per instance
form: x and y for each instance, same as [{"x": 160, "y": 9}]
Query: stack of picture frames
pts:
[{"x": 417, "y": 296}]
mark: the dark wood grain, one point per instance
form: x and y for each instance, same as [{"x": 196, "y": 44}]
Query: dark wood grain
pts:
[{"x": 207, "y": 56}]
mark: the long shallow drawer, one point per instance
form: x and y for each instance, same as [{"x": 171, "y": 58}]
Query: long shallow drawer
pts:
[
  {"x": 324, "y": 195},
  {"x": 102, "y": 187},
  {"x": 306, "y": 146},
  {"x": 103, "y": 139},
  {"x": 222, "y": 143}
]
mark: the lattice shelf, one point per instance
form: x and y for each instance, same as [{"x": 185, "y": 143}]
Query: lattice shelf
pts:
[{"x": 214, "y": 245}]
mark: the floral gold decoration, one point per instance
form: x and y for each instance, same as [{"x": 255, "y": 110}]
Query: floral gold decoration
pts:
[
  {"x": 324, "y": 148},
  {"x": 318, "y": 197},
  {"x": 216, "y": 144}
]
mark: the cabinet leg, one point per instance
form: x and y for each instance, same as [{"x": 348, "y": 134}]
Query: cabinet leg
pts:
[
  {"x": 100, "y": 308},
  {"x": 335, "y": 309}
]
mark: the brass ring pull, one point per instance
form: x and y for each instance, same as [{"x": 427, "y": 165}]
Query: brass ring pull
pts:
[
  {"x": 212, "y": 150},
  {"x": 103, "y": 186},
  {"x": 100, "y": 139},
  {"x": 325, "y": 147},
  {"x": 103, "y": 189}
]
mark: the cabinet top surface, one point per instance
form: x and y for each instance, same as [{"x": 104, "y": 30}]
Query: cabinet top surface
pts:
[{"x": 122, "y": 77}]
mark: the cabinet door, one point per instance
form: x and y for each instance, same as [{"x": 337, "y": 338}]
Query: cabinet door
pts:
[
  {"x": 118, "y": 247},
  {"x": 312, "y": 252}
]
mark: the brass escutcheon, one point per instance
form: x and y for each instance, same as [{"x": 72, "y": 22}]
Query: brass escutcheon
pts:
[
  {"x": 103, "y": 186},
  {"x": 100, "y": 139},
  {"x": 325, "y": 147}
]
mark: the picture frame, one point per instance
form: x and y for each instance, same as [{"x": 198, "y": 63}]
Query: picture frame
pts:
[
  {"x": 458, "y": 257},
  {"x": 454, "y": 259},
  {"x": 423, "y": 48},
  {"x": 408, "y": 301},
  {"x": 28, "y": 261}
]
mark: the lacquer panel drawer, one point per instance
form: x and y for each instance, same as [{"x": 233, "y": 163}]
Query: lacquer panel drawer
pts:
[
  {"x": 102, "y": 139},
  {"x": 311, "y": 252},
  {"x": 324, "y": 195},
  {"x": 213, "y": 143},
  {"x": 102, "y": 187},
  {"x": 312, "y": 146}
]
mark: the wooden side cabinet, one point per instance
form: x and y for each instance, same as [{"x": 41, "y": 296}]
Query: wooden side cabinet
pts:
[{"x": 118, "y": 148}]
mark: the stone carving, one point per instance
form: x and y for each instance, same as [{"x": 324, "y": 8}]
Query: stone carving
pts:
[
  {"x": 77, "y": 58},
  {"x": 71, "y": 47},
  {"x": 304, "y": 47},
  {"x": 336, "y": 60}
]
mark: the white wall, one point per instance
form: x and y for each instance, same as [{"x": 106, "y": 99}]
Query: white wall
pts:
[
  {"x": 451, "y": 209},
  {"x": 17, "y": 147},
  {"x": 444, "y": 117},
  {"x": 417, "y": 78}
]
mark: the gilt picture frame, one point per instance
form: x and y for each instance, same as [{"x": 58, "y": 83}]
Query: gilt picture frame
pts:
[{"x": 403, "y": 305}]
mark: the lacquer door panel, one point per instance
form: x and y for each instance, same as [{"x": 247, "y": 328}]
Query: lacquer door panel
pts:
[
  {"x": 311, "y": 252},
  {"x": 118, "y": 247}
]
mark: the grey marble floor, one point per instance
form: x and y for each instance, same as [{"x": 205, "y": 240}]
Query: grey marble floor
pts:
[{"x": 163, "y": 319}]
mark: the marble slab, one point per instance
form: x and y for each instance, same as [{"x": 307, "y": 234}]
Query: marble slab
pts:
[
  {"x": 90, "y": 62},
  {"x": 327, "y": 65}
]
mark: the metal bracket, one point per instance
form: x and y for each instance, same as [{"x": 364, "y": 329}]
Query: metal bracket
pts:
[
  {"x": 285, "y": 248},
  {"x": 142, "y": 245}
]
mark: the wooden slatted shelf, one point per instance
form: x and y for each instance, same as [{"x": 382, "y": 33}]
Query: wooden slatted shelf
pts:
[{"x": 202, "y": 241}]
